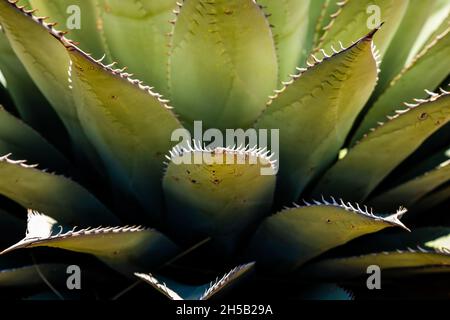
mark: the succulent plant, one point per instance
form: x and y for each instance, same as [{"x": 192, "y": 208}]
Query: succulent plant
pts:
[{"x": 357, "y": 89}]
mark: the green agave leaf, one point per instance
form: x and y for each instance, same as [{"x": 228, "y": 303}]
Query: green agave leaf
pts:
[
  {"x": 316, "y": 14},
  {"x": 377, "y": 154},
  {"x": 325, "y": 291},
  {"x": 437, "y": 238},
  {"x": 142, "y": 28},
  {"x": 24, "y": 143},
  {"x": 422, "y": 73},
  {"x": 28, "y": 276},
  {"x": 412, "y": 191},
  {"x": 227, "y": 43},
  {"x": 218, "y": 193},
  {"x": 334, "y": 91},
  {"x": 76, "y": 16},
  {"x": 353, "y": 267},
  {"x": 177, "y": 291},
  {"x": 289, "y": 239},
  {"x": 426, "y": 248},
  {"x": 444, "y": 23},
  {"x": 32, "y": 40},
  {"x": 29, "y": 101},
  {"x": 123, "y": 248},
  {"x": 129, "y": 124},
  {"x": 289, "y": 21},
  {"x": 355, "y": 18},
  {"x": 56, "y": 195},
  {"x": 327, "y": 10},
  {"x": 406, "y": 43}
]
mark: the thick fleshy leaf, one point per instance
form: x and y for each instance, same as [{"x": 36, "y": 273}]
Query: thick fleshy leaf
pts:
[
  {"x": 55, "y": 195},
  {"x": 142, "y": 28},
  {"x": 217, "y": 193},
  {"x": 315, "y": 17},
  {"x": 24, "y": 143},
  {"x": 333, "y": 91},
  {"x": 423, "y": 249},
  {"x": 177, "y": 291},
  {"x": 406, "y": 42},
  {"x": 28, "y": 276},
  {"x": 123, "y": 248},
  {"x": 377, "y": 154},
  {"x": 437, "y": 238},
  {"x": 294, "y": 236},
  {"x": 422, "y": 73},
  {"x": 444, "y": 24},
  {"x": 355, "y": 18},
  {"x": 412, "y": 191},
  {"x": 29, "y": 101},
  {"x": 78, "y": 17},
  {"x": 47, "y": 62},
  {"x": 352, "y": 267},
  {"x": 289, "y": 21},
  {"x": 326, "y": 11},
  {"x": 232, "y": 65},
  {"x": 130, "y": 126}
]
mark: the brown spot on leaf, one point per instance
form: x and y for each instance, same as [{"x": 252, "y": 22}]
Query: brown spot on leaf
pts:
[
  {"x": 228, "y": 11},
  {"x": 423, "y": 116}
]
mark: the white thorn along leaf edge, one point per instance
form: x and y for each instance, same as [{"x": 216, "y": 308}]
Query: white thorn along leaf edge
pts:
[
  {"x": 408, "y": 250},
  {"x": 409, "y": 106},
  {"x": 377, "y": 55},
  {"x": 22, "y": 163},
  {"x": 214, "y": 287},
  {"x": 333, "y": 17},
  {"x": 260, "y": 153},
  {"x": 393, "y": 219},
  {"x": 315, "y": 62},
  {"x": 443, "y": 164},
  {"x": 161, "y": 287},
  {"x": 418, "y": 57},
  {"x": 69, "y": 73},
  {"x": 40, "y": 228},
  {"x": 219, "y": 284},
  {"x": 71, "y": 45}
]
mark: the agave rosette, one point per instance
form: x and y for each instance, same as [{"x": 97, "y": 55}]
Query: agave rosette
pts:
[{"x": 357, "y": 89}]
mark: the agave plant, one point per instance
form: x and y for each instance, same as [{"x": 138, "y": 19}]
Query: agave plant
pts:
[{"x": 358, "y": 90}]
